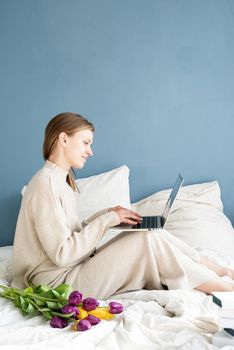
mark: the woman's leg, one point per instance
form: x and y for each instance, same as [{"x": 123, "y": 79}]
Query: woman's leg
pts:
[
  {"x": 181, "y": 245},
  {"x": 139, "y": 260},
  {"x": 220, "y": 270},
  {"x": 215, "y": 285},
  {"x": 127, "y": 264},
  {"x": 193, "y": 254}
]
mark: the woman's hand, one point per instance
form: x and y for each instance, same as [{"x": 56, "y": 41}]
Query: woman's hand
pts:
[{"x": 126, "y": 216}]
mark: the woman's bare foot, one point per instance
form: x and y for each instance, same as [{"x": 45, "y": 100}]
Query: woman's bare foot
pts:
[{"x": 229, "y": 273}]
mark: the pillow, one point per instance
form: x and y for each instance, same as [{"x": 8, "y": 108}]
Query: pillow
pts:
[
  {"x": 196, "y": 218},
  {"x": 103, "y": 191},
  {"x": 6, "y": 263}
]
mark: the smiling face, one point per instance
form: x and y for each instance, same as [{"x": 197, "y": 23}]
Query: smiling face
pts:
[{"x": 78, "y": 148}]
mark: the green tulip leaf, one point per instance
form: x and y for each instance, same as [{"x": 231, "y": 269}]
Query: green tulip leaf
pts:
[
  {"x": 64, "y": 290},
  {"x": 30, "y": 309},
  {"x": 40, "y": 302},
  {"x": 40, "y": 299},
  {"x": 42, "y": 289},
  {"x": 55, "y": 293},
  {"x": 28, "y": 290},
  {"x": 52, "y": 305},
  {"x": 17, "y": 301}
]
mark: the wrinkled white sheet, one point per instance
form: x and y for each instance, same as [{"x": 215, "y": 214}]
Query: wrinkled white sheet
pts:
[
  {"x": 152, "y": 320},
  {"x": 175, "y": 319}
]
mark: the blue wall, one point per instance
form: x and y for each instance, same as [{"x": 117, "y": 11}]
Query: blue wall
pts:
[{"x": 155, "y": 77}]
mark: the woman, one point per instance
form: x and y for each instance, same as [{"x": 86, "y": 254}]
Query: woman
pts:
[{"x": 52, "y": 246}]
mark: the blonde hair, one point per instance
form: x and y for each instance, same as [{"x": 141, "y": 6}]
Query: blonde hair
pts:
[{"x": 64, "y": 122}]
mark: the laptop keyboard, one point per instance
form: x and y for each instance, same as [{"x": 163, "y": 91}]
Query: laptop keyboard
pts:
[{"x": 149, "y": 222}]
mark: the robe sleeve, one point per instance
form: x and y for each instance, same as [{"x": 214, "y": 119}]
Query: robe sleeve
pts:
[{"x": 63, "y": 246}]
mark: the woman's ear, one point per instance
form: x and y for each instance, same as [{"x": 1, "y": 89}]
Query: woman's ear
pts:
[{"x": 62, "y": 139}]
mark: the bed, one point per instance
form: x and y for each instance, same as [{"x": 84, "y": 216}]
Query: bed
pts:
[{"x": 175, "y": 319}]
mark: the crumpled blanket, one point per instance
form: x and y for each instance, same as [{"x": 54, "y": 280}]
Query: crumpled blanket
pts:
[
  {"x": 187, "y": 318},
  {"x": 174, "y": 319}
]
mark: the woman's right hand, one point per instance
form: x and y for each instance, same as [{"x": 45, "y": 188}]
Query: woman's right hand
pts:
[{"x": 127, "y": 216}]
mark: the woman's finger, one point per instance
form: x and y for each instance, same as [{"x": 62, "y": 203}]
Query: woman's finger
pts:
[
  {"x": 135, "y": 217},
  {"x": 130, "y": 222},
  {"x": 134, "y": 214}
]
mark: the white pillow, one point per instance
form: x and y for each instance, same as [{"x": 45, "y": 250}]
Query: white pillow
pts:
[
  {"x": 197, "y": 216},
  {"x": 103, "y": 191},
  {"x": 6, "y": 263}
]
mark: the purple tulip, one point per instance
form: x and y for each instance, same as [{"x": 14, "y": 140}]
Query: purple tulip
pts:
[
  {"x": 115, "y": 308},
  {"x": 93, "y": 319},
  {"x": 68, "y": 309},
  {"x": 83, "y": 325},
  {"x": 75, "y": 298},
  {"x": 58, "y": 322},
  {"x": 90, "y": 304}
]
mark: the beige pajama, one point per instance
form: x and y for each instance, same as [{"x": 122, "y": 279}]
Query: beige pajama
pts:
[
  {"x": 139, "y": 260},
  {"x": 52, "y": 246}
]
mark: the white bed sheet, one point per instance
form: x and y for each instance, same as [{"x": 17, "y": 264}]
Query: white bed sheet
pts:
[{"x": 175, "y": 319}]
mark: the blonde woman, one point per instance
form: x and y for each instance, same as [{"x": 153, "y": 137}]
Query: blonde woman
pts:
[{"x": 52, "y": 246}]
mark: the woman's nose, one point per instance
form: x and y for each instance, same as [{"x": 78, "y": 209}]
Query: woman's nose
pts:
[{"x": 90, "y": 152}]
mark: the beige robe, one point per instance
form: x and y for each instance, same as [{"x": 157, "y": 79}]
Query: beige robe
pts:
[{"x": 52, "y": 246}]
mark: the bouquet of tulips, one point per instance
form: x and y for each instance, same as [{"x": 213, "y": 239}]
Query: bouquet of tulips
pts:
[{"x": 61, "y": 306}]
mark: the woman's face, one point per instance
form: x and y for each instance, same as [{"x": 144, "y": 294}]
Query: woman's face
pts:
[{"x": 78, "y": 148}]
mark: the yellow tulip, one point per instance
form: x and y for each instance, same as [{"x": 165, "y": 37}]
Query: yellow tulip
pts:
[
  {"x": 74, "y": 326},
  {"x": 101, "y": 313},
  {"x": 82, "y": 314}
]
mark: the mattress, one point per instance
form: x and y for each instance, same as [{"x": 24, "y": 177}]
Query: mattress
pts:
[{"x": 174, "y": 319}]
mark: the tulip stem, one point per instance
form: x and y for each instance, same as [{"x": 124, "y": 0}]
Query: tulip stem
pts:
[
  {"x": 6, "y": 296},
  {"x": 36, "y": 296}
]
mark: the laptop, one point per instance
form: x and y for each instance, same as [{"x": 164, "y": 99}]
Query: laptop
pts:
[
  {"x": 148, "y": 223},
  {"x": 155, "y": 222}
]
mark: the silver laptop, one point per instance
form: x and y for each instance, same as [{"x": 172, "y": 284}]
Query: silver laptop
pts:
[{"x": 155, "y": 222}]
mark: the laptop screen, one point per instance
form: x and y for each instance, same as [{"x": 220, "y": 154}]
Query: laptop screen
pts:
[{"x": 172, "y": 197}]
